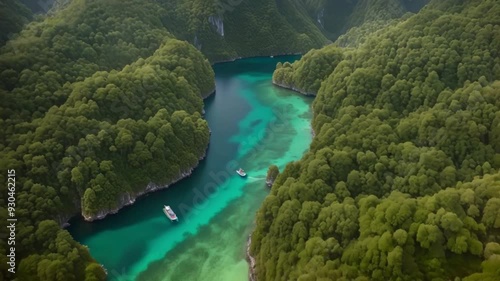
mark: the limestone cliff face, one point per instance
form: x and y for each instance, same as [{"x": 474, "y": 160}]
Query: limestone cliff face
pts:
[
  {"x": 129, "y": 199},
  {"x": 218, "y": 24}
]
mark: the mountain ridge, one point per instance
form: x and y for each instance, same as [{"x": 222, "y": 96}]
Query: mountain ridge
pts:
[{"x": 402, "y": 176}]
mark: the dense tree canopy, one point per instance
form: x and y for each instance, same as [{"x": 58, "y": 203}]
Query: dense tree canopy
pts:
[
  {"x": 307, "y": 74},
  {"x": 241, "y": 28},
  {"x": 336, "y": 17},
  {"x": 99, "y": 102},
  {"x": 233, "y": 28},
  {"x": 401, "y": 181}
]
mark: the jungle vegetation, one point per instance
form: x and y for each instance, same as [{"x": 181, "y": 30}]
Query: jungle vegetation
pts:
[
  {"x": 103, "y": 98},
  {"x": 99, "y": 102},
  {"x": 229, "y": 29},
  {"x": 402, "y": 178},
  {"x": 335, "y": 18}
]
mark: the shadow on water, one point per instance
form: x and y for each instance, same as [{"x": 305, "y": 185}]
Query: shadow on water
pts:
[
  {"x": 148, "y": 206},
  {"x": 247, "y": 130}
]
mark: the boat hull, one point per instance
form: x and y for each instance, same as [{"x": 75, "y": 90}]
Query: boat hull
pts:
[{"x": 171, "y": 218}]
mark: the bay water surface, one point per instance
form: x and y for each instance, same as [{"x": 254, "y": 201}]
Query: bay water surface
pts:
[{"x": 254, "y": 124}]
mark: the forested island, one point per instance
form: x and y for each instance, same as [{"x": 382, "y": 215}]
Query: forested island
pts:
[
  {"x": 94, "y": 115},
  {"x": 401, "y": 181},
  {"x": 102, "y": 101}
]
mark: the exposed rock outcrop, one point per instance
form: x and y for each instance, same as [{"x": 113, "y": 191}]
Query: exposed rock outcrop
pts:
[
  {"x": 128, "y": 198},
  {"x": 293, "y": 89},
  {"x": 251, "y": 261},
  {"x": 218, "y": 23}
]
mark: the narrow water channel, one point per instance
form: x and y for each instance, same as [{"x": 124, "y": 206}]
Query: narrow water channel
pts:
[{"x": 254, "y": 124}]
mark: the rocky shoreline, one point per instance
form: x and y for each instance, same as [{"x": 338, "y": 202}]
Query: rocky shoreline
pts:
[
  {"x": 293, "y": 89},
  {"x": 251, "y": 261},
  {"x": 256, "y": 56},
  {"x": 129, "y": 199}
]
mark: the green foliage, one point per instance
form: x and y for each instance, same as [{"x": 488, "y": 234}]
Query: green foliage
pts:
[
  {"x": 227, "y": 29},
  {"x": 490, "y": 270},
  {"x": 375, "y": 10},
  {"x": 401, "y": 181},
  {"x": 307, "y": 74},
  {"x": 62, "y": 258},
  {"x": 99, "y": 102},
  {"x": 39, "y": 66},
  {"x": 338, "y": 17},
  {"x": 13, "y": 16},
  {"x": 116, "y": 133},
  {"x": 357, "y": 35}
]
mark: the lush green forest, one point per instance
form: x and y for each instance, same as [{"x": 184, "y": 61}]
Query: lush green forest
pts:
[
  {"x": 241, "y": 28},
  {"x": 99, "y": 102},
  {"x": 220, "y": 29},
  {"x": 306, "y": 75},
  {"x": 104, "y": 99},
  {"x": 276, "y": 27},
  {"x": 13, "y": 16},
  {"x": 337, "y": 17},
  {"x": 367, "y": 18},
  {"x": 402, "y": 179}
]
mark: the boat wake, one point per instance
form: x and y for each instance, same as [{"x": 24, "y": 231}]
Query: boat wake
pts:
[{"x": 256, "y": 178}]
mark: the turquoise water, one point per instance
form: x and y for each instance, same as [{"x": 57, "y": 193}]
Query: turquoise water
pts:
[{"x": 254, "y": 124}]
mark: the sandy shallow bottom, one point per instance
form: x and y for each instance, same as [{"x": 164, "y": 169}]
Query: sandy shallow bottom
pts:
[{"x": 254, "y": 124}]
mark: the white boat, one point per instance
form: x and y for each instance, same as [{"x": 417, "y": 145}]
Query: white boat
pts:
[
  {"x": 241, "y": 172},
  {"x": 169, "y": 213}
]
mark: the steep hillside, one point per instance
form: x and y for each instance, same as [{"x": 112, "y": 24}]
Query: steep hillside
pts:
[
  {"x": 229, "y": 29},
  {"x": 305, "y": 76},
  {"x": 337, "y": 17},
  {"x": 401, "y": 181},
  {"x": 13, "y": 16},
  {"x": 100, "y": 103}
]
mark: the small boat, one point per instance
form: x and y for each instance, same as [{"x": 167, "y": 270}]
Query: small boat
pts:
[
  {"x": 241, "y": 172},
  {"x": 169, "y": 213}
]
